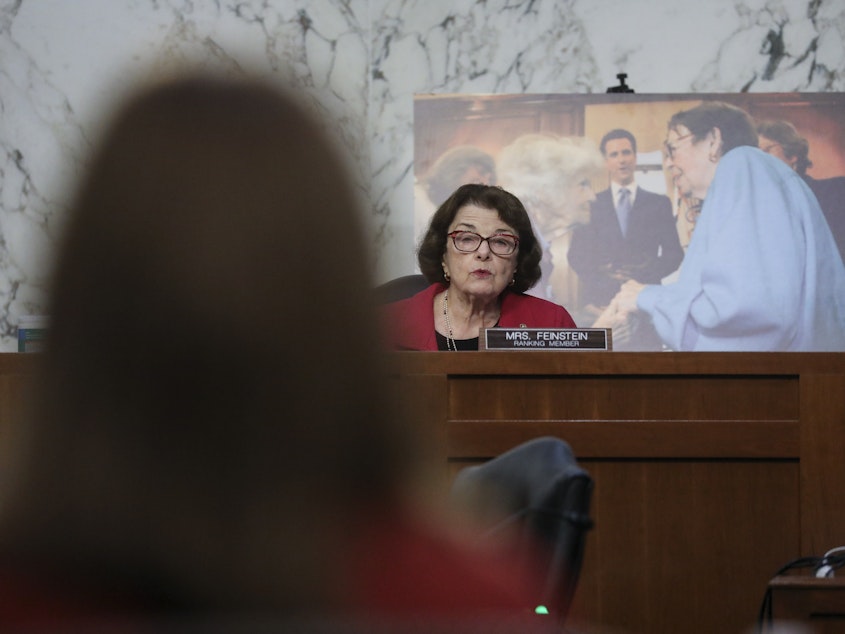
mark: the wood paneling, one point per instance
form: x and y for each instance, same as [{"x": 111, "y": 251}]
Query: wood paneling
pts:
[
  {"x": 822, "y": 460},
  {"x": 818, "y": 602},
  {"x": 711, "y": 470},
  {"x": 686, "y": 545}
]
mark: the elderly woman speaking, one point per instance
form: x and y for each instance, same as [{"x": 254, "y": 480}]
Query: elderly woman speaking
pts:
[
  {"x": 762, "y": 271},
  {"x": 480, "y": 256}
]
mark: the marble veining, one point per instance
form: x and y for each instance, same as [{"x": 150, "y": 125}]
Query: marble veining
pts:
[{"x": 359, "y": 63}]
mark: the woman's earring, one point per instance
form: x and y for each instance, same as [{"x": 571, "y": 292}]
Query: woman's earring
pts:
[
  {"x": 714, "y": 153},
  {"x": 446, "y": 275}
]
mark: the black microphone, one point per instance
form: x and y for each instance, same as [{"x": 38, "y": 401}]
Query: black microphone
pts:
[{"x": 622, "y": 87}]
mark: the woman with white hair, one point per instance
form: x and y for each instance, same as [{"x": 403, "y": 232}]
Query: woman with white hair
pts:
[{"x": 552, "y": 176}]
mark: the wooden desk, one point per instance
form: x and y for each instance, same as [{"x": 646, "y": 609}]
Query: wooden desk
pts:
[
  {"x": 819, "y": 603},
  {"x": 712, "y": 470}
]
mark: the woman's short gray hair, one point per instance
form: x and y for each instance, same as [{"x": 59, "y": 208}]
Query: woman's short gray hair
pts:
[{"x": 567, "y": 159}]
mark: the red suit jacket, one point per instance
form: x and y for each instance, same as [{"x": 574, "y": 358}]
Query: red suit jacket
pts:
[{"x": 410, "y": 322}]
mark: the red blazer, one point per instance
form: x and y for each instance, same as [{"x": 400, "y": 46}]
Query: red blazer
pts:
[{"x": 410, "y": 322}]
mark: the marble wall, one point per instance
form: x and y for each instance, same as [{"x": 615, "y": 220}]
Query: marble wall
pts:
[{"x": 63, "y": 64}]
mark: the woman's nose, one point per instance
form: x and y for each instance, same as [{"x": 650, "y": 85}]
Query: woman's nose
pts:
[{"x": 483, "y": 250}]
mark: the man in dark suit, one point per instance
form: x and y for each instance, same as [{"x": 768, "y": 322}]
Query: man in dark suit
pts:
[{"x": 631, "y": 233}]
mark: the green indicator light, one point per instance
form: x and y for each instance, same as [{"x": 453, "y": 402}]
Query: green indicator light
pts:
[{"x": 541, "y": 609}]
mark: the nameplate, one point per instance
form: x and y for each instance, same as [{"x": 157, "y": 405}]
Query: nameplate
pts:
[{"x": 545, "y": 339}]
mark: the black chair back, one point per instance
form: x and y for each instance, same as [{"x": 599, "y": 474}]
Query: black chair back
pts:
[
  {"x": 400, "y": 288},
  {"x": 534, "y": 498}
]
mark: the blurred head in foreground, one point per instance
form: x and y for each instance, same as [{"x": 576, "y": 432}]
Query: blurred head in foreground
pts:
[{"x": 209, "y": 413}]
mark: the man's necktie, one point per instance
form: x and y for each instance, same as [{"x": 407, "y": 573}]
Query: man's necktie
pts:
[{"x": 623, "y": 209}]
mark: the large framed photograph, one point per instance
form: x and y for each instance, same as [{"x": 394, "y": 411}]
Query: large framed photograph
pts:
[{"x": 712, "y": 248}]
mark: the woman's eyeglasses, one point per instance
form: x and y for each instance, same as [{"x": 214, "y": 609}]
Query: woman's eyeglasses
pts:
[
  {"x": 469, "y": 241},
  {"x": 671, "y": 149}
]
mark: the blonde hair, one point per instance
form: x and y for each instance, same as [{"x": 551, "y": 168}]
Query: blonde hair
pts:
[
  {"x": 566, "y": 159},
  {"x": 541, "y": 169}
]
